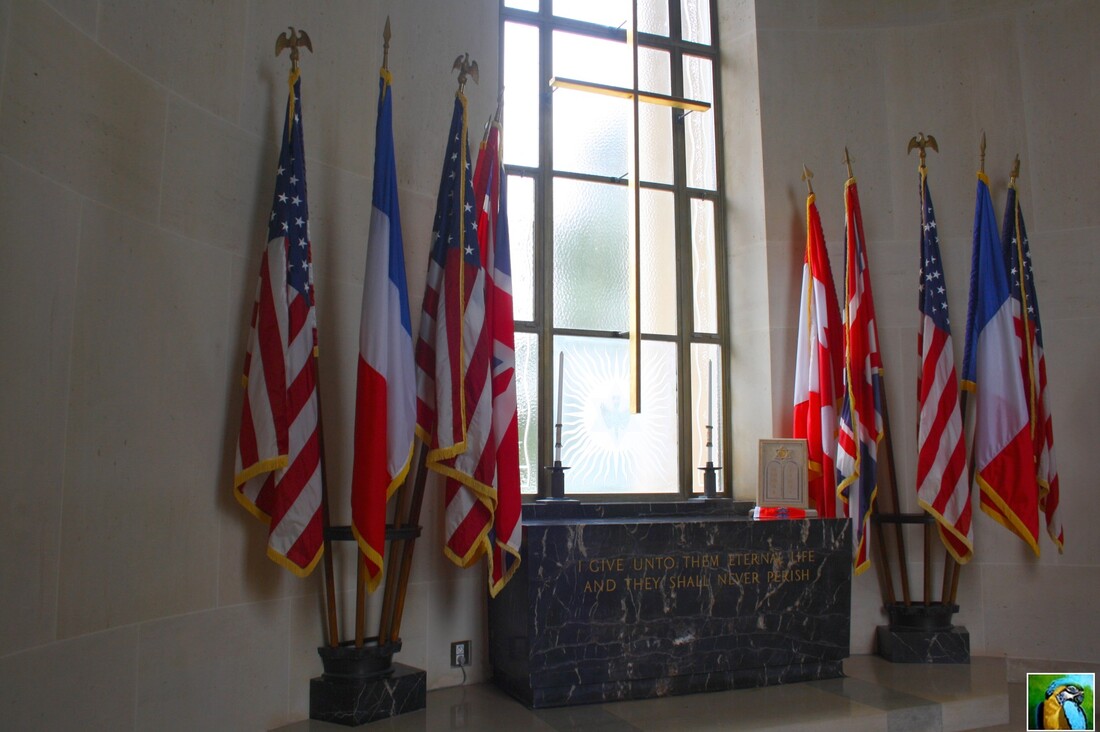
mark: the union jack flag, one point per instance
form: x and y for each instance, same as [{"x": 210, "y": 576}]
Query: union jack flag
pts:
[
  {"x": 490, "y": 191},
  {"x": 1022, "y": 285},
  {"x": 453, "y": 388},
  {"x": 861, "y": 426},
  {"x": 942, "y": 486},
  {"x": 278, "y": 463}
]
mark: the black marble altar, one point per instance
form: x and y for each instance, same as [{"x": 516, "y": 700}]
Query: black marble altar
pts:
[
  {"x": 628, "y": 601},
  {"x": 352, "y": 701}
]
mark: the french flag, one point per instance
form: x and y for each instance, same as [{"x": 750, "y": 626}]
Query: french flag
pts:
[
  {"x": 385, "y": 399},
  {"x": 1002, "y": 450}
]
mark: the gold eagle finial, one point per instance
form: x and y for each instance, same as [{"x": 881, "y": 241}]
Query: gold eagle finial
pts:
[
  {"x": 294, "y": 40},
  {"x": 466, "y": 68},
  {"x": 921, "y": 142}
]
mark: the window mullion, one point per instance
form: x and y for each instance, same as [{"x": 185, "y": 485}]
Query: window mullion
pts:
[{"x": 544, "y": 248}]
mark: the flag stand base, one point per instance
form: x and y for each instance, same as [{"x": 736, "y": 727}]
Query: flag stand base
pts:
[
  {"x": 923, "y": 633},
  {"x": 361, "y": 685}
]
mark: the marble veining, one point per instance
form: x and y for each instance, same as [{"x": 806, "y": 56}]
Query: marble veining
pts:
[{"x": 671, "y": 600}]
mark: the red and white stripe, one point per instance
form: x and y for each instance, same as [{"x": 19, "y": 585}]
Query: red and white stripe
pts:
[{"x": 278, "y": 463}]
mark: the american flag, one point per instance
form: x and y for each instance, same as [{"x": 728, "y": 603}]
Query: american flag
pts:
[
  {"x": 1002, "y": 450},
  {"x": 861, "y": 426},
  {"x": 818, "y": 366},
  {"x": 453, "y": 389},
  {"x": 1022, "y": 283},
  {"x": 942, "y": 486},
  {"x": 490, "y": 191},
  {"x": 385, "y": 404},
  {"x": 278, "y": 464}
]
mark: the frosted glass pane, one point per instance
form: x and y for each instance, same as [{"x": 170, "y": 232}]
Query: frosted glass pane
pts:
[
  {"x": 527, "y": 409},
  {"x": 652, "y": 14},
  {"x": 655, "y": 148},
  {"x": 653, "y": 17},
  {"x": 532, "y": 5},
  {"x": 607, "y": 448},
  {"x": 591, "y": 133},
  {"x": 699, "y": 84},
  {"x": 615, "y": 13},
  {"x": 703, "y": 277},
  {"x": 521, "y": 234},
  {"x": 593, "y": 59},
  {"x": 695, "y": 20},
  {"x": 706, "y": 408},
  {"x": 658, "y": 262},
  {"x": 521, "y": 94},
  {"x": 654, "y": 70},
  {"x": 590, "y": 255}
]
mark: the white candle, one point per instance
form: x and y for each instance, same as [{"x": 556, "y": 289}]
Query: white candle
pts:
[
  {"x": 710, "y": 411},
  {"x": 710, "y": 393},
  {"x": 561, "y": 379}
]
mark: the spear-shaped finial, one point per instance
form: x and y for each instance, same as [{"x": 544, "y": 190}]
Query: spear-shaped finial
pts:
[
  {"x": 847, "y": 161},
  {"x": 386, "y": 45},
  {"x": 807, "y": 175},
  {"x": 1015, "y": 172},
  {"x": 981, "y": 165},
  {"x": 920, "y": 142},
  {"x": 293, "y": 41},
  {"x": 466, "y": 68}
]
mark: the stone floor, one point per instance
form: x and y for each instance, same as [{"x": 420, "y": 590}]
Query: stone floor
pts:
[{"x": 874, "y": 695}]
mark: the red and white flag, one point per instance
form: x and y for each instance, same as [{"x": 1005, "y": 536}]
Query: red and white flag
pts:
[
  {"x": 942, "y": 486},
  {"x": 819, "y": 365},
  {"x": 453, "y": 388},
  {"x": 385, "y": 403},
  {"x": 490, "y": 184},
  {"x": 278, "y": 463}
]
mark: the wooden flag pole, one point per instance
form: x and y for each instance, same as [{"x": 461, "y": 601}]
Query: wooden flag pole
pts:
[
  {"x": 396, "y": 552},
  {"x": 891, "y": 475},
  {"x": 413, "y": 520}
]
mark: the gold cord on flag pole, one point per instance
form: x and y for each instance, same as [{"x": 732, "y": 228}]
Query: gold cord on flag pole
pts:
[{"x": 807, "y": 175}]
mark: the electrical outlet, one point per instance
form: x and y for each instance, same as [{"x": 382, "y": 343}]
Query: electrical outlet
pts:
[{"x": 460, "y": 653}]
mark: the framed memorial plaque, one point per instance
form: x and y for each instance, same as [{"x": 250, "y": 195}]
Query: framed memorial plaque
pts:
[{"x": 784, "y": 475}]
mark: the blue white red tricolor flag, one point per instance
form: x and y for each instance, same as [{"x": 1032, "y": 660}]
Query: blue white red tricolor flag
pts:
[
  {"x": 861, "y": 426},
  {"x": 1022, "y": 284},
  {"x": 1002, "y": 449},
  {"x": 453, "y": 387},
  {"x": 942, "y": 486},
  {"x": 385, "y": 403},
  {"x": 818, "y": 380},
  {"x": 490, "y": 192},
  {"x": 278, "y": 474}
]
